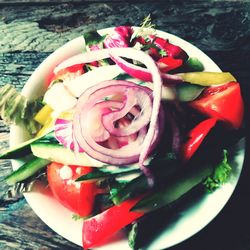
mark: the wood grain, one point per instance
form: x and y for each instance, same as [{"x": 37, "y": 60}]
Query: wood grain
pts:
[{"x": 51, "y": 26}]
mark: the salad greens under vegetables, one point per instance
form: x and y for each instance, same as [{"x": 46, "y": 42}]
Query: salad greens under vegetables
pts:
[{"x": 124, "y": 130}]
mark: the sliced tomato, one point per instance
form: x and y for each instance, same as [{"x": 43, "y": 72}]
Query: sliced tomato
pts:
[
  {"x": 96, "y": 229},
  {"x": 79, "y": 197},
  {"x": 69, "y": 72},
  {"x": 223, "y": 102}
]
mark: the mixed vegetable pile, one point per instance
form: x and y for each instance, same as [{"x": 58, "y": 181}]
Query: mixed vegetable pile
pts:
[{"x": 129, "y": 126}]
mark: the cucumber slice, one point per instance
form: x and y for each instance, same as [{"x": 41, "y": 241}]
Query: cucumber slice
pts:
[
  {"x": 194, "y": 64},
  {"x": 23, "y": 149},
  {"x": 26, "y": 170},
  {"x": 58, "y": 153},
  {"x": 186, "y": 92},
  {"x": 175, "y": 190}
]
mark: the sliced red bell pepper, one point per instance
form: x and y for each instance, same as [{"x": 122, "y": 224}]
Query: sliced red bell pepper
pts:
[
  {"x": 170, "y": 49},
  {"x": 195, "y": 138},
  {"x": 167, "y": 63},
  {"x": 98, "y": 228},
  {"x": 223, "y": 102}
]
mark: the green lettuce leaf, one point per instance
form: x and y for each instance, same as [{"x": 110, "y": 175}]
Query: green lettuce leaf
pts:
[
  {"x": 220, "y": 175},
  {"x": 17, "y": 109}
]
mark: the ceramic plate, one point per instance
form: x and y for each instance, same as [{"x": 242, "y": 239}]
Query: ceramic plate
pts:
[{"x": 189, "y": 221}]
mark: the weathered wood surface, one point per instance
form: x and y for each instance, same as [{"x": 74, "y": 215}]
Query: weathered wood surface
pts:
[{"x": 30, "y": 32}]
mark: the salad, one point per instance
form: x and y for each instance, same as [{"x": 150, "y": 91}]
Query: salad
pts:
[{"x": 125, "y": 130}]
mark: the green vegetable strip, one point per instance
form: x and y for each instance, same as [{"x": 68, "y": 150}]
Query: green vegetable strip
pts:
[
  {"x": 136, "y": 186},
  {"x": 194, "y": 64},
  {"x": 24, "y": 149},
  {"x": 214, "y": 177},
  {"x": 92, "y": 38},
  {"x": 26, "y": 170},
  {"x": 176, "y": 189},
  {"x": 102, "y": 173}
]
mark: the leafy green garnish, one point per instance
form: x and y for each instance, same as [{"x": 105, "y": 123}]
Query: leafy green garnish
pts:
[
  {"x": 220, "y": 175},
  {"x": 149, "y": 46},
  {"x": 92, "y": 37},
  {"x": 152, "y": 45},
  {"x": 146, "y": 28},
  {"x": 122, "y": 76},
  {"x": 163, "y": 52}
]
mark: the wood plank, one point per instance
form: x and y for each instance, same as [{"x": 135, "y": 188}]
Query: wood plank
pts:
[
  {"x": 38, "y": 1},
  {"x": 49, "y": 27},
  {"x": 10, "y": 2},
  {"x": 16, "y": 68}
]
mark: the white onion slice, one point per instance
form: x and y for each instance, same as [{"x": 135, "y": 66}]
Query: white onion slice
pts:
[{"x": 78, "y": 85}]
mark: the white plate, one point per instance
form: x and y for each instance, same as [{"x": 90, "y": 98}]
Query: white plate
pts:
[{"x": 187, "y": 223}]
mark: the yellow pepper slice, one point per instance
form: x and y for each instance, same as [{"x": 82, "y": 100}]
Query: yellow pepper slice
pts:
[
  {"x": 47, "y": 127},
  {"x": 43, "y": 114},
  {"x": 207, "y": 78}
]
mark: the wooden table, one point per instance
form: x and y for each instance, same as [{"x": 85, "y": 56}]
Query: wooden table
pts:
[{"x": 31, "y": 30}]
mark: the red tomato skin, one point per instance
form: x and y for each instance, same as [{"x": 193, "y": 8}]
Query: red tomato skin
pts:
[
  {"x": 223, "y": 102},
  {"x": 96, "y": 229},
  {"x": 77, "y": 197}
]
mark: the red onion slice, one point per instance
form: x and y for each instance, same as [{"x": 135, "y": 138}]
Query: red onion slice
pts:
[
  {"x": 64, "y": 133},
  {"x": 134, "y": 98},
  {"x": 142, "y": 73},
  {"x": 90, "y": 100},
  {"x": 96, "y": 128},
  {"x": 133, "y": 54}
]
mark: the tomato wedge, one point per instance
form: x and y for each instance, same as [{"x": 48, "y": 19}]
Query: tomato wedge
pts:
[
  {"x": 98, "y": 228},
  {"x": 79, "y": 197},
  {"x": 223, "y": 102}
]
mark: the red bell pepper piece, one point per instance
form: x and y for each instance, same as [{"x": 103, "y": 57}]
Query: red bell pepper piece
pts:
[
  {"x": 195, "y": 138},
  {"x": 170, "y": 49},
  {"x": 98, "y": 228},
  {"x": 223, "y": 102},
  {"x": 166, "y": 64}
]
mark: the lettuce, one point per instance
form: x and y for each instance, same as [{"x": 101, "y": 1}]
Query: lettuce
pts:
[
  {"x": 220, "y": 174},
  {"x": 17, "y": 109}
]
